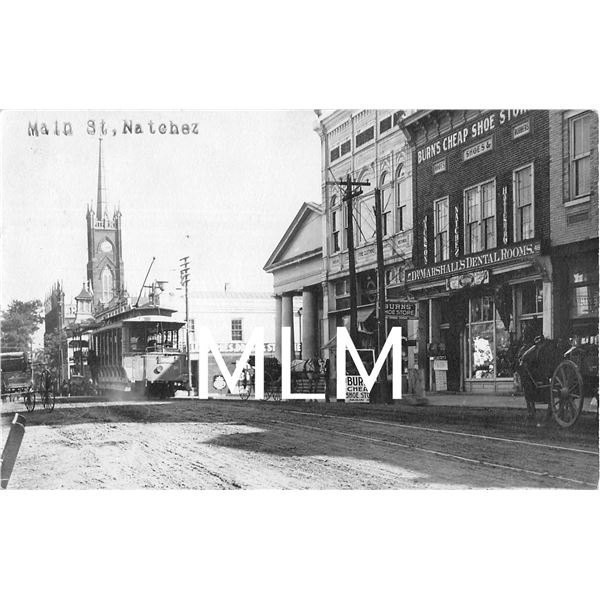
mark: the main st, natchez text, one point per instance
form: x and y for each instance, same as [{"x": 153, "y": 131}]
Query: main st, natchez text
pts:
[{"x": 101, "y": 127}]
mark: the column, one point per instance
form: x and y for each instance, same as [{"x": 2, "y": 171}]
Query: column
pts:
[
  {"x": 310, "y": 345},
  {"x": 287, "y": 317},
  {"x": 278, "y": 328}
]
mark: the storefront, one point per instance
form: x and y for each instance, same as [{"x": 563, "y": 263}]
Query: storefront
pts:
[{"x": 482, "y": 272}]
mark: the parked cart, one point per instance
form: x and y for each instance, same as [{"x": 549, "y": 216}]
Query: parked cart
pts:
[{"x": 562, "y": 379}]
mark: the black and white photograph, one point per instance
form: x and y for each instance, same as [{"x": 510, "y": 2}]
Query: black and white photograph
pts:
[
  {"x": 253, "y": 348},
  {"x": 327, "y": 299}
]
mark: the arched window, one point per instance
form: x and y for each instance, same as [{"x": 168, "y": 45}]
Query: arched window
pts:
[
  {"x": 403, "y": 219},
  {"x": 107, "y": 280}
]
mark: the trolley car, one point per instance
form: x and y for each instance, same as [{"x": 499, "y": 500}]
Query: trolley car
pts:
[{"x": 137, "y": 350}]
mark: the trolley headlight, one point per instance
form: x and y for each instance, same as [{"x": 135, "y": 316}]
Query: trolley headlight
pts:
[{"x": 158, "y": 369}]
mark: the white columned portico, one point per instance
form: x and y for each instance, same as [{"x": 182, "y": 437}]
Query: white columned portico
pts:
[
  {"x": 310, "y": 347},
  {"x": 287, "y": 317},
  {"x": 278, "y": 308}
]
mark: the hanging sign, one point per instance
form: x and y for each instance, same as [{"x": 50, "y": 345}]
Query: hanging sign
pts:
[
  {"x": 405, "y": 309},
  {"x": 465, "y": 280}
]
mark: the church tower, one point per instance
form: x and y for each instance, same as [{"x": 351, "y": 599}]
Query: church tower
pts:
[{"x": 105, "y": 258}]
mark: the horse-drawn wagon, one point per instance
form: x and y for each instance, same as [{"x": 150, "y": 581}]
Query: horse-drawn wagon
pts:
[{"x": 559, "y": 376}]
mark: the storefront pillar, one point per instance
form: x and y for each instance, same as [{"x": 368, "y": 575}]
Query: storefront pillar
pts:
[
  {"x": 278, "y": 308},
  {"x": 547, "y": 323},
  {"x": 309, "y": 324},
  {"x": 287, "y": 317}
]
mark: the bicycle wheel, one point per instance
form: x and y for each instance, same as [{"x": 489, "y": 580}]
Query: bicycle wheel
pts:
[
  {"x": 29, "y": 400},
  {"x": 245, "y": 391},
  {"x": 49, "y": 400}
]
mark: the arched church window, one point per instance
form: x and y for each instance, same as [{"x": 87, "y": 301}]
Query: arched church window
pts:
[{"x": 107, "y": 280}]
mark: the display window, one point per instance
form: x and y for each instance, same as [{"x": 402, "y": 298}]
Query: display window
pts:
[{"x": 488, "y": 341}]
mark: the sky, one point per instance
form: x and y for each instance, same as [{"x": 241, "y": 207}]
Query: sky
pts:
[{"x": 223, "y": 196}]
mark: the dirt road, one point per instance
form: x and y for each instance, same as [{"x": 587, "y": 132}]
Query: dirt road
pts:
[{"x": 195, "y": 444}]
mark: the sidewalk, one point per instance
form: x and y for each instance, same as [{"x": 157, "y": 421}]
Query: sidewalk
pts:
[{"x": 478, "y": 400}]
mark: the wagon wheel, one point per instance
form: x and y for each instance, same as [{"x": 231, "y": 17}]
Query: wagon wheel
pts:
[
  {"x": 29, "y": 400},
  {"x": 245, "y": 390},
  {"x": 566, "y": 394},
  {"x": 49, "y": 399},
  {"x": 272, "y": 387}
]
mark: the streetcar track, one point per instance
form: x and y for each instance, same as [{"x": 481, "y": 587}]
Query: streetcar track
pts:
[
  {"x": 466, "y": 459},
  {"x": 448, "y": 432}
]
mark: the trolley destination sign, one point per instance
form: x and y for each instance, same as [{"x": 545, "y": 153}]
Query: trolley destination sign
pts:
[{"x": 490, "y": 258}]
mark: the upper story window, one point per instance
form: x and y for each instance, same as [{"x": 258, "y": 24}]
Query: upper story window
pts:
[
  {"x": 365, "y": 136},
  {"x": 523, "y": 199},
  {"x": 579, "y": 132},
  {"x": 386, "y": 205},
  {"x": 345, "y": 147},
  {"x": 480, "y": 217},
  {"x": 441, "y": 227},
  {"x": 335, "y": 231},
  {"x": 236, "y": 330},
  {"x": 365, "y": 221},
  {"x": 385, "y": 124},
  {"x": 334, "y": 154},
  {"x": 402, "y": 191}
]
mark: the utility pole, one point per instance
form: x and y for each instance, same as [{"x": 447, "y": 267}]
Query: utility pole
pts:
[
  {"x": 349, "y": 195},
  {"x": 185, "y": 280},
  {"x": 384, "y": 395}
]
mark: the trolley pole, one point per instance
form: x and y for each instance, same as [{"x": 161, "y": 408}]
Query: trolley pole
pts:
[{"x": 185, "y": 280}]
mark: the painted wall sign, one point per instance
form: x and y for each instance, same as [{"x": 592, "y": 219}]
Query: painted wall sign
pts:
[
  {"x": 401, "y": 309},
  {"x": 467, "y": 133},
  {"x": 425, "y": 239},
  {"x": 523, "y": 250},
  {"x": 439, "y": 166},
  {"x": 456, "y": 232},
  {"x": 521, "y": 129},
  {"x": 505, "y": 215},
  {"x": 478, "y": 149}
]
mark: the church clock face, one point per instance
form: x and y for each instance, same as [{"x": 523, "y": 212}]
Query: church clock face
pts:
[{"x": 105, "y": 246}]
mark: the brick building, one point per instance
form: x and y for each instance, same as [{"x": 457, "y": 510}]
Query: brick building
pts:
[
  {"x": 574, "y": 223},
  {"x": 481, "y": 253}
]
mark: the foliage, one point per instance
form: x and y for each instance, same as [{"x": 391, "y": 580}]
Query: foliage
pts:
[{"x": 19, "y": 323}]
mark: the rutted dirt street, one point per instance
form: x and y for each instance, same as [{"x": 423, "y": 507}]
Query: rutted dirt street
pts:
[{"x": 191, "y": 444}]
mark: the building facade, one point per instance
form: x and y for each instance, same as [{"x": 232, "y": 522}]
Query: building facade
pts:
[
  {"x": 296, "y": 264},
  {"x": 482, "y": 274},
  {"x": 370, "y": 146},
  {"x": 574, "y": 223}
]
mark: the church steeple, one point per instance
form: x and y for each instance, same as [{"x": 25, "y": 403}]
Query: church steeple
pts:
[
  {"x": 105, "y": 255},
  {"x": 101, "y": 204}
]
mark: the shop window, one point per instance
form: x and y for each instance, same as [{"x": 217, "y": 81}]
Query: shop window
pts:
[
  {"x": 342, "y": 294},
  {"x": 532, "y": 298},
  {"x": 480, "y": 217},
  {"x": 236, "y": 330},
  {"x": 523, "y": 198},
  {"x": 584, "y": 293},
  {"x": 579, "y": 133},
  {"x": 488, "y": 341},
  {"x": 441, "y": 226}
]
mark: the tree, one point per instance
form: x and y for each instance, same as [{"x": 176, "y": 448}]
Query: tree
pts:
[{"x": 19, "y": 323}]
